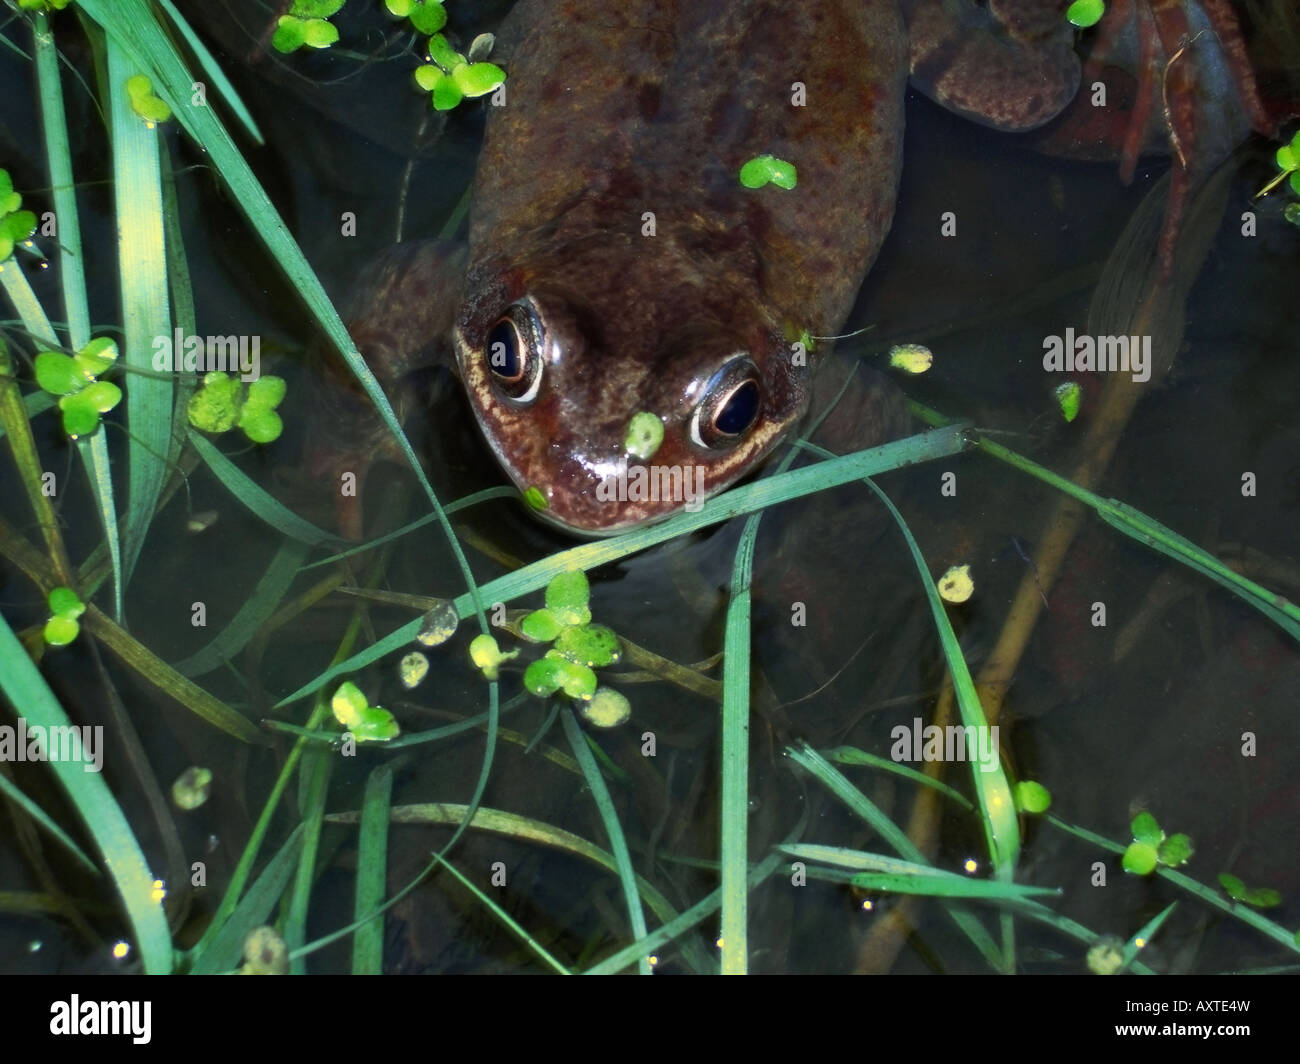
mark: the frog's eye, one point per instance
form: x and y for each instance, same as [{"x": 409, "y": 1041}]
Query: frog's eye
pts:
[
  {"x": 731, "y": 404},
  {"x": 514, "y": 353}
]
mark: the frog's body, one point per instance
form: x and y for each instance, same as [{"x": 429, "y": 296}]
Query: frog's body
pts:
[{"x": 616, "y": 265}]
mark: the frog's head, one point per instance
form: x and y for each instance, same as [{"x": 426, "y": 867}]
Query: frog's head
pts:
[{"x": 559, "y": 354}]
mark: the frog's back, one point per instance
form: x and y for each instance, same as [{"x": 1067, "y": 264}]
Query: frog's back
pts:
[
  {"x": 618, "y": 266},
  {"x": 614, "y": 110}
]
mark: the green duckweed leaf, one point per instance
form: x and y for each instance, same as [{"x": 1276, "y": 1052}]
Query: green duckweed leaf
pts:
[
  {"x": 60, "y": 631},
  {"x": 1140, "y": 859},
  {"x": 593, "y": 645},
  {"x": 541, "y": 626},
  {"x": 60, "y": 374},
  {"x": 1145, "y": 829},
  {"x": 567, "y": 596},
  {"x": 477, "y": 79}
]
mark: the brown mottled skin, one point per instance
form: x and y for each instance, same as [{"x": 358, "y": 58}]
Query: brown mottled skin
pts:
[{"x": 619, "y": 110}]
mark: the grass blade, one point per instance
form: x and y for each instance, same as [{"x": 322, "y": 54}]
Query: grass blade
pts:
[
  {"x": 146, "y": 313},
  {"x": 257, "y": 499},
  {"x": 259, "y": 606},
  {"x": 609, "y": 817},
  {"x": 27, "y": 691},
  {"x": 743, "y": 500},
  {"x": 372, "y": 872}
]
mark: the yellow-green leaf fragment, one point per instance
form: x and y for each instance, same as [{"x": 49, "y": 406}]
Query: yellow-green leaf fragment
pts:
[
  {"x": 412, "y": 669},
  {"x": 1032, "y": 797},
  {"x": 1085, "y": 13},
  {"x": 438, "y": 625},
  {"x": 1106, "y": 957},
  {"x": 215, "y": 406},
  {"x": 442, "y": 53},
  {"x": 375, "y": 725},
  {"x": 487, "y": 656},
  {"x": 544, "y": 676},
  {"x": 427, "y": 76},
  {"x": 266, "y": 392},
  {"x": 645, "y": 432},
  {"x": 763, "y": 169},
  {"x": 80, "y": 414},
  {"x": 348, "y": 704},
  {"x": 265, "y": 953},
  {"x": 607, "y": 709},
  {"x": 191, "y": 788},
  {"x": 60, "y": 631},
  {"x": 1069, "y": 396},
  {"x": 911, "y": 358},
  {"x": 259, "y": 424},
  {"x": 956, "y": 584}
]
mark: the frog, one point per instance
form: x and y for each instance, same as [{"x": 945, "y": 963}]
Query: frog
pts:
[{"x": 617, "y": 267}]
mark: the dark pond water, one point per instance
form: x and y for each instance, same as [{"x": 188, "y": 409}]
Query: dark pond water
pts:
[{"x": 1145, "y": 711}]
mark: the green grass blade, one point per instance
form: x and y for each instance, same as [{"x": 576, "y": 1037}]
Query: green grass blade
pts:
[
  {"x": 43, "y": 821},
  {"x": 213, "y": 70},
  {"x": 609, "y": 817},
  {"x": 258, "y": 500},
  {"x": 27, "y": 691},
  {"x": 152, "y": 668},
  {"x": 131, "y": 23},
  {"x": 842, "y": 787},
  {"x": 1136, "y": 944},
  {"x": 734, "y": 813},
  {"x": 34, "y": 404},
  {"x": 146, "y": 314},
  {"x": 72, "y": 271},
  {"x": 743, "y": 500},
  {"x": 259, "y": 606},
  {"x": 29, "y": 309},
  {"x": 850, "y": 755},
  {"x": 314, "y": 780},
  {"x": 99, "y": 471},
  {"x": 372, "y": 872},
  {"x": 1146, "y": 530},
  {"x": 1209, "y": 895},
  {"x": 223, "y": 952},
  {"x": 992, "y": 790},
  {"x": 515, "y": 928}
]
